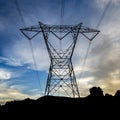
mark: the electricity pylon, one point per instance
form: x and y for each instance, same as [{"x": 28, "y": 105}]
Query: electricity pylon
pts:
[{"x": 61, "y": 76}]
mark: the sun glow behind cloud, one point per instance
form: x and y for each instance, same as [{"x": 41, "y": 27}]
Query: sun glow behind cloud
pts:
[{"x": 4, "y": 74}]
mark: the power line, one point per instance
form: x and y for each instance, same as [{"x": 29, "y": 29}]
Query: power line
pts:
[
  {"x": 35, "y": 64},
  {"x": 98, "y": 25},
  {"x": 62, "y": 12},
  {"x": 61, "y": 21},
  {"x": 103, "y": 14},
  {"x": 85, "y": 58},
  {"x": 30, "y": 43},
  {"x": 19, "y": 12}
]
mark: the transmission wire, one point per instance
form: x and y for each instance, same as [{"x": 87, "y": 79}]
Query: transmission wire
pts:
[
  {"x": 35, "y": 64},
  {"x": 90, "y": 42},
  {"x": 103, "y": 14},
  {"x": 30, "y": 43},
  {"x": 61, "y": 22},
  {"x": 20, "y": 13},
  {"x": 62, "y": 12}
]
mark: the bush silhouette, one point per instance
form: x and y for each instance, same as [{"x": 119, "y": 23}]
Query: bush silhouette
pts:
[
  {"x": 117, "y": 94},
  {"x": 96, "y": 92}
]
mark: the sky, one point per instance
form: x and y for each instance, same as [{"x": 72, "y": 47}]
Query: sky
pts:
[{"x": 18, "y": 73}]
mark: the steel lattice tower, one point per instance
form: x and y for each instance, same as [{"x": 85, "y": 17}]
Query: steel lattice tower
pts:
[{"x": 61, "y": 76}]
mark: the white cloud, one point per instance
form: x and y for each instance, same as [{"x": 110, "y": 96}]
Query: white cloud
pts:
[
  {"x": 9, "y": 74},
  {"x": 103, "y": 65},
  {"x": 5, "y": 74},
  {"x": 112, "y": 32},
  {"x": 22, "y": 54},
  {"x": 110, "y": 25},
  {"x": 15, "y": 92},
  {"x": 102, "y": 3},
  {"x": 11, "y": 61},
  {"x": 107, "y": 59},
  {"x": 84, "y": 84}
]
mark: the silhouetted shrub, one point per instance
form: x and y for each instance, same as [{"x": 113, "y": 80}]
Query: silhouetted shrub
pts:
[
  {"x": 96, "y": 91},
  {"x": 117, "y": 94},
  {"x": 108, "y": 95}
]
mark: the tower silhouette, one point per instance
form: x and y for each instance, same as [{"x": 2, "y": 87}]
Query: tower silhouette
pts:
[{"x": 60, "y": 41}]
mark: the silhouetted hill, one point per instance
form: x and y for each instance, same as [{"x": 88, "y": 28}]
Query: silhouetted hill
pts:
[{"x": 94, "y": 106}]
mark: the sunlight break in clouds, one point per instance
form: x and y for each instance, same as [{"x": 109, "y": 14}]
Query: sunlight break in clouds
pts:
[{"x": 4, "y": 74}]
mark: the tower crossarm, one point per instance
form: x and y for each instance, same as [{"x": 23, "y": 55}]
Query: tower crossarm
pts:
[{"x": 58, "y": 28}]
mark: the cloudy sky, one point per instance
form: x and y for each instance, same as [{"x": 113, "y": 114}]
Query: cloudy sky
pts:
[{"x": 18, "y": 76}]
